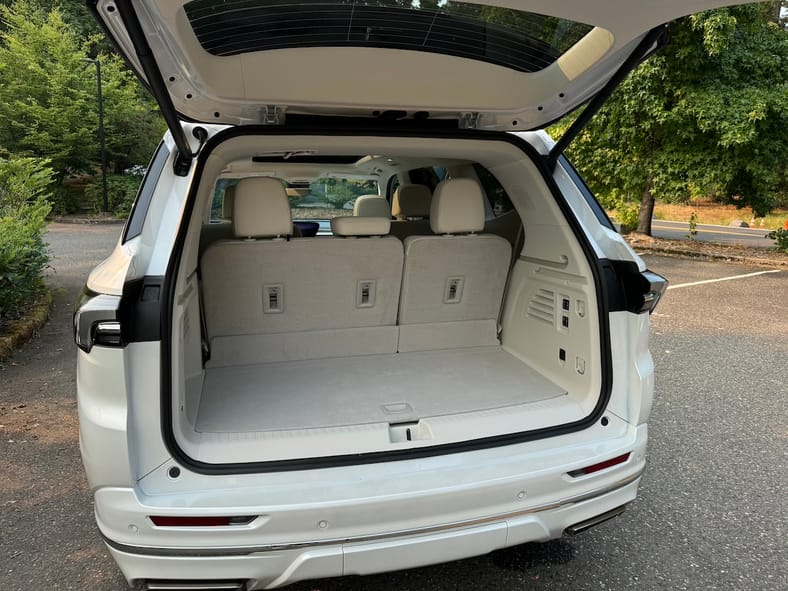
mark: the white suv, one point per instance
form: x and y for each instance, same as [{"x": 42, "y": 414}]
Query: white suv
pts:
[{"x": 364, "y": 316}]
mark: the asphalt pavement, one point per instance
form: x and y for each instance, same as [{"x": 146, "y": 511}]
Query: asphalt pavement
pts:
[
  {"x": 710, "y": 233},
  {"x": 711, "y": 511}
]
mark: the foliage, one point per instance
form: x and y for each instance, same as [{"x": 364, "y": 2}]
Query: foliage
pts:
[
  {"x": 121, "y": 192},
  {"x": 23, "y": 180},
  {"x": 65, "y": 199},
  {"x": 780, "y": 237},
  {"x": 706, "y": 116},
  {"x": 338, "y": 191},
  {"x": 48, "y": 95},
  {"x": 626, "y": 214},
  {"x": 23, "y": 210},
  {"x": 693, "y": 226}
]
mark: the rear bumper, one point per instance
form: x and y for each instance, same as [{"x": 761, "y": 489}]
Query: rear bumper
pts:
[{"x": 273, "y": 565}]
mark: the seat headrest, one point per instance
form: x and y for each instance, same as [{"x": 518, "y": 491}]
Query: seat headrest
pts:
[
  {"x": 360, "y": 226},
  {"x": 457, "y": 207},
  {"x": 228, "y": 201},
  {"x": 371, "y": 206},
  {"x": 261, "y": 209},
  {"x": 411, "y": 201}
]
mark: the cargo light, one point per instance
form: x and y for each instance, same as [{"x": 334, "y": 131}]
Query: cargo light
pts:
[
  {"x": 201, "y": 521},
  {"x": 600, "y": 466}
]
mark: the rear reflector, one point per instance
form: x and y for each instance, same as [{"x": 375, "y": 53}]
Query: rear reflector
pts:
[
  {"x": 207, "y": 521},
  {"x": 600, "y": 466}
]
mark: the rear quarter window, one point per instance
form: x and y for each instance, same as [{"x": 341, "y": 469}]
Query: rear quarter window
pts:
[
  {"x": 496, "y": 194},
  {"x": 139, "y": 210}
]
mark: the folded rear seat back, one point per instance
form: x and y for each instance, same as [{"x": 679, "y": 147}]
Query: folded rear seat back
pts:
[
  {"x": 270, "y": 299},
  {"x": 453, "y": 282}
]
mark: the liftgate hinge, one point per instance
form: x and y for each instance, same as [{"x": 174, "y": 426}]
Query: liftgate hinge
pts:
[
  {"x": 469, "y": 120},
  {"x": 273, "y": 115}
]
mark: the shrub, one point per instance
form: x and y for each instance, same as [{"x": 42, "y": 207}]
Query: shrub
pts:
[
  {"x": 23, "y": 258},
  {"x": 627, "y": 215},
  {"x": 23, "y": 180},
  {"x": 65, "y": 199},
  {"x": 780, "y": 238},
  {"x": 24, "y": 185},
  {"x": 121, "y": 192}
]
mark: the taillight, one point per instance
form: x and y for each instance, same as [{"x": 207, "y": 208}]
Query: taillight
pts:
[
  {"x": 600, "y": 466},
  {"x": 96, "y": 321},
  {"x": 653, "y": 292},
  {"x": 630, "y": 289}
]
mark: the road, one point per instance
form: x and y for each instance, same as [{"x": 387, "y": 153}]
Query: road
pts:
[
  {"x": 709, "y": 233},
  {"x": 711, "y": 511}
]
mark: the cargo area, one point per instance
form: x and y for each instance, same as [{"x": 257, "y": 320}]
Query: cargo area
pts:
[
  {"x": 421, "y": 314},
  {"x": 396, "y": 388},
  {"x": 377, "y": 402}
]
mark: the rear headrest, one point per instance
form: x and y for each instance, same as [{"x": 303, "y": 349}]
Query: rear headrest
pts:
[
  {"x": 228, "y": 201},
  {"x": 371, "y": 206},
  {"x": 411, "y": 201},
  {"x": 457, "y": 207},
  {"x": 360, "y": 226},
  {"x": 261, "y": 209}
]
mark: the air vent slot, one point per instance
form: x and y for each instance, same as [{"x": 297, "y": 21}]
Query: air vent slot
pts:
[{"x": 542, "y": 306}]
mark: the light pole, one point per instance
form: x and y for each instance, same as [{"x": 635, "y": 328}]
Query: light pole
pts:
[{"x": 104, "y": 196}]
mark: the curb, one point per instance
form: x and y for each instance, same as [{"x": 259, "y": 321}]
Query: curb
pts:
[
  {"x": 81, "y": 220},
  {"x": 22, "y": 330},
  {"x": 692, "y": 254}
]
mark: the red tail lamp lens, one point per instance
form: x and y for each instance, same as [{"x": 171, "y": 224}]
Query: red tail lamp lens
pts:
[
  {"x": 600, "y": 466},
  {"x": 209, "y": 521}
]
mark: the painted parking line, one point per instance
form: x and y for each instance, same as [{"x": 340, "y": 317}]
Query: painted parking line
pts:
[{"x": 732, "y": 277}]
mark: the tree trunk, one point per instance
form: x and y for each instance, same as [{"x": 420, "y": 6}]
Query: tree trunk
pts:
[{"x": 646, "y": 211}]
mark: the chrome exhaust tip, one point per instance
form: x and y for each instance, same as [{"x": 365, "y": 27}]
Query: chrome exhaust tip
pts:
[
  {"x": 194, "y": 586},
  {"x": 589, "y": 523}
]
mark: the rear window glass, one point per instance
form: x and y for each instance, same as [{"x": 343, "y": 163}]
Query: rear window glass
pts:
[
  {"x": 429, "y": 176},
  {"x": 522, "y": 41},
  {"x": 327, "y": 197},
  {"x": 320, "y": 199},
  {"x": 496, "y": 194},
  {"x": 145, "y": 194}
]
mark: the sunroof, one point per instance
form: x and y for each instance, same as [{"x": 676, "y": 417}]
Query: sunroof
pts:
[{"x": 519, "y": 40}]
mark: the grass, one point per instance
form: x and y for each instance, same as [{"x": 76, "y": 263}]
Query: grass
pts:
[
  {"x": 15, "y": 333},
  {"x": 720, "y": 215}
]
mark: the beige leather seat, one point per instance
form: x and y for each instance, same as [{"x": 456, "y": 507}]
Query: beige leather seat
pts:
[
  {"x": 269, "y": 298},
  {"x": 410, "y": 209},
  {"x": 453, "y": 282},
  {"x": 411, "y": 202},
  {"x": 372, "y": 206}
]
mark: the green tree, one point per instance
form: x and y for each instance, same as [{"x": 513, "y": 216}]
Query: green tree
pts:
[
  {"x": 48, "y": 95},
  {"x": 706, "y": 116}
]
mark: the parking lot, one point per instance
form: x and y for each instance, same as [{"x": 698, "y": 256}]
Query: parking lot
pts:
[{"x": 711, "y": 511}]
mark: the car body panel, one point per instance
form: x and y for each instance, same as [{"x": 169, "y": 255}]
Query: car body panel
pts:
[
  {"x": 412, "y": 511},
  {"x": 260, "y": 86}
]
